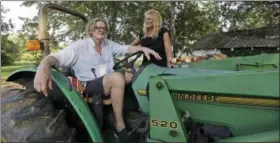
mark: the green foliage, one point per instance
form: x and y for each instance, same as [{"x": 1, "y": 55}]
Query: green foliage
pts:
[
  {"x": 5, "y": 27},
  {"x": 247, "y": 15},
  {"x": 193, "y": 19},
  {"x": 36, "y": 57},
  {"x": 9, "y": 51},
  {"x": 193, "y": 22}
]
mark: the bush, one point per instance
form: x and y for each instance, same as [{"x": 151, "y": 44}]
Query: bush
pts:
[{"x": 9, "y": 51}]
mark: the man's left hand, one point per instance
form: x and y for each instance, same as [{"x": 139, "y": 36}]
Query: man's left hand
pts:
[{"x": 148, "y": 51}]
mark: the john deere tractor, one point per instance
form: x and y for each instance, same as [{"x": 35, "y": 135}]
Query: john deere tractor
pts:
[{"x": 231, "y": 100}]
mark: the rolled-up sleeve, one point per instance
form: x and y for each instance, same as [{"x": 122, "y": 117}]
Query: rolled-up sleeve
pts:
[
  {"x": 66, "y": 57},
  {"x": 118, "y": 48}
]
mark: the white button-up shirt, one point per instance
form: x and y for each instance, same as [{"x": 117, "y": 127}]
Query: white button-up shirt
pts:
[{"x": 82, "y": 57}]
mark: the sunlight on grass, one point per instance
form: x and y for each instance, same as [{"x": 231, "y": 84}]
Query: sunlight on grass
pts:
[{"x": 7, "y": 70}]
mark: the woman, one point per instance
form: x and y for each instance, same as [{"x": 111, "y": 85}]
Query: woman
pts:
[{"x": 157, "y": 38}]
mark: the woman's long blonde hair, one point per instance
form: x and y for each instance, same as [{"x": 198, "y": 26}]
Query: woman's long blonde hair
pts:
[{"x": 157, "y": 20}]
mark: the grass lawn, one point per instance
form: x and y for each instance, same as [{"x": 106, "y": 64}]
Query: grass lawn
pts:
[{"x": 7, "y": 70}]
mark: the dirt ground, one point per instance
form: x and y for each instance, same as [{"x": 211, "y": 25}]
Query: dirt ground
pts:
[{"x": 8, "y": 85}]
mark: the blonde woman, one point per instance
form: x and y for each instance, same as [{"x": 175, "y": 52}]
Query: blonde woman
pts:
[{"x": 157, "y": 38}]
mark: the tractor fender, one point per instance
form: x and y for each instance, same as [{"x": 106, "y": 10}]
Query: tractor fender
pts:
[{"x": 22, "y": 76}]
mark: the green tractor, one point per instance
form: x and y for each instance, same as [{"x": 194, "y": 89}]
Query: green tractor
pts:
[{"x": 188, "y": 104}]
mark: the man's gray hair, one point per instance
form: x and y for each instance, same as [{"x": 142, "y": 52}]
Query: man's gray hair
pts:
[{"x": 91, "y": 25}]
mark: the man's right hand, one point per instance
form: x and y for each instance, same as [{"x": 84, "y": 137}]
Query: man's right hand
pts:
[{"x": 43, "y": 80}]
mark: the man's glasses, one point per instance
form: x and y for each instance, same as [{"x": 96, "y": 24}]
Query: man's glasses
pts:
[{"x": 100, "y": 28}]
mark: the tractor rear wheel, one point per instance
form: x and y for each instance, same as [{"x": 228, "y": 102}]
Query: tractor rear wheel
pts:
[{"x": 28, "y": 117}]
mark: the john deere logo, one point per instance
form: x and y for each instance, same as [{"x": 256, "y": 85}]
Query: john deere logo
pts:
[
  {"x": 227, "y": 99},
  {"x": 183, "y": 96},
  {"x": 220, "y": 98}
]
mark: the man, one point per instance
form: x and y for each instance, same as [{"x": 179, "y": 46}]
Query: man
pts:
[{"x": 92, "y": 61}]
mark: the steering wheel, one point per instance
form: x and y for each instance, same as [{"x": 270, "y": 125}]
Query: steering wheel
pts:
[{"x": 123, "y": 62}]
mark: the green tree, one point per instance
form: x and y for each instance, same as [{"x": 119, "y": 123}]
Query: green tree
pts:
[
  {"x": 247, "y": 15},
  {"x": 195, "y": 20},
  {"x": 9, "y": 50},
  {"x": 188, "y": 20}
]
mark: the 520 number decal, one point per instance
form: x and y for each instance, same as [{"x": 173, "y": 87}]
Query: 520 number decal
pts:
[{"x": 164, "y": 124}]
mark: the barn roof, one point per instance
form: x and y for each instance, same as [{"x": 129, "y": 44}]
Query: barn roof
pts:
[{"x": 265, "y": 37}]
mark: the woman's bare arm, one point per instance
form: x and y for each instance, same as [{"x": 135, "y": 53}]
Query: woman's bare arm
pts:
[
  {"x": 167, "y": 47},
  {"x": 136, "y": 42}
]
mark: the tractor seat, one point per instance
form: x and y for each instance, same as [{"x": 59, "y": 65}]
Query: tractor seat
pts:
[{"x": 80, "y": 88}]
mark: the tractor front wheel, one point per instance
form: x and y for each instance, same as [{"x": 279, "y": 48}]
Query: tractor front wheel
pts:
[{"x": 29, "y": 117}]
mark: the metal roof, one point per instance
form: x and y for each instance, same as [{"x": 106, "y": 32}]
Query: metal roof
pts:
[{"x": 265, "y": 37}]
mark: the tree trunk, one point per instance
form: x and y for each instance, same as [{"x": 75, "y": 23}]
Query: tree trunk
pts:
[
  {"x": 112, "y": 21},
  {"x": 172, "y": 22}
]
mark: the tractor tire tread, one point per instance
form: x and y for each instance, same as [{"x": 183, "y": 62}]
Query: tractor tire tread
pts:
[{"x": 28, "y": 117}]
